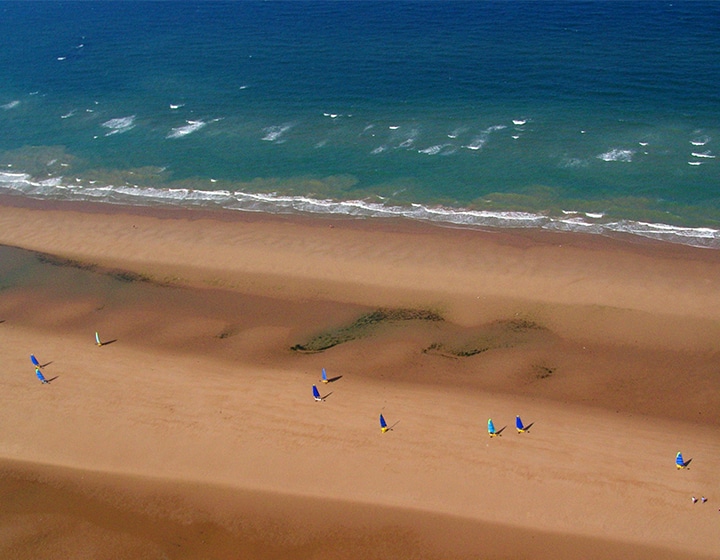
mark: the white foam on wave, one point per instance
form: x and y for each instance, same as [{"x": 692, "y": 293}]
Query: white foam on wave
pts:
[
  {"x": 707, "y": 154},
  {"x": 55, "y": 188},
  {"x": 481, "y": 139},
  {"x": 700, "y": 140},
  {"x": 119, "y": 125},
  {"x": 175, "y": 106},
  {"x": 276, "y": 133},
  {"x": 695, "y": 162},
  {"x": 189, "y": 128},
  {"x": 476, "y": 144},
  {"x": 12, "y": 178},
  {"x": 573, "y": 163},
  {"x": 68, "y": 115},
  {"x": 439, "y": 149},
  {"x": 457, "y": 132},
  {"x": 617, "y": 154},
  {"x": 10, "y": 105},
  {"x": 519, "y": 122},
  {"x": 405, "y": 139},
  {"x": 379, "y": 150}
]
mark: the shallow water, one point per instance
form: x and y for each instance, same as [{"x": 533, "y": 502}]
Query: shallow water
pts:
[{"x": 585, "y": 116}]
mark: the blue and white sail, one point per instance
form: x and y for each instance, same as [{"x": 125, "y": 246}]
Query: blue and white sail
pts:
[
  {"x": 316, "y": 394},
  {"x": 491, "y": 428},
  {"x": 383, "y": 425},
  {"x": 679, "y": 461},
  {"x": 324, "y": 378},
  {"x": 40, "y": 376},
  {"x": 34, "y": 361}
]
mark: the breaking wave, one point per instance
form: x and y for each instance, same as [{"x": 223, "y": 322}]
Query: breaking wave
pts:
[
  {"x": 119, "y": 125},
  {"x": 56, "y": 188}
]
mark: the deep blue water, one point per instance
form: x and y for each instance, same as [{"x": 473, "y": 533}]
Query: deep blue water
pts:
[{"x": 582, "y": 115}]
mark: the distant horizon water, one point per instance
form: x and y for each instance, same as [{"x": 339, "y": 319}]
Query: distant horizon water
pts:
[{"x": 566, "y": 115}]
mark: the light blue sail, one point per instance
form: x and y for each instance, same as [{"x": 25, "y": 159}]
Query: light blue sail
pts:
[
  {"x": 679, "y": 461},
  {"x": 34, "y": 361},
  {"x": 40, "y": 376},
  {"x": 316, "y": 394},
  {"x": 324, "y": 376},
  {"x": 383, "y": 425},
  {"x": 97, "y": 339},
  {"x": 491, "y": 428}
]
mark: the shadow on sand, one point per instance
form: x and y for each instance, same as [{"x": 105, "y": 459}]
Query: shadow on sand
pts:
[{"x": 527, "y": 428}]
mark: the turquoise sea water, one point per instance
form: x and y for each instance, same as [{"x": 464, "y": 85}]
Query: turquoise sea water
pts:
[{"x": 571, "y": 115}]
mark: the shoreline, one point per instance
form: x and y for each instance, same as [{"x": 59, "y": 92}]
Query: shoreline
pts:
[{"x": 608, "y": 348}]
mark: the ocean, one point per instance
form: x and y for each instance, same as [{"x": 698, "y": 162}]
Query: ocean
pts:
[{"x": 591, "y": 116}]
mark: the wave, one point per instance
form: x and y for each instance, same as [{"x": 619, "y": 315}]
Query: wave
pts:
[
  {"x": 439, "y": 149},
  {"x": 700, "y": 140},
  {"x": 573, "y": 163},
  {"x": 480, "y": 140},
  {"x": 55, "y": 188},
  {"x": 10, "y": 105},
  {"x": 617, "y": 154},
  {"x": 189, "y": 128},
  {"x": 705, "y": 154},
  {"x": 276, "y": 133},
  {"x": 119, "y": 125}
]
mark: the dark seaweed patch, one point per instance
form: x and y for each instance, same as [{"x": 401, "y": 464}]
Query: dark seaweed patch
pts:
[
  {"x": 126, "y": 276},
  {"x": 543, "y": 372},
  {"x": 59, "y": 261},
  {"x": 498, "y": 334},
  {"x": 364, "y": 326}
]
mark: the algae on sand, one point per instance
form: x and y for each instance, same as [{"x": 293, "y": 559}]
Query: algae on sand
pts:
[{"x": 364, "y": 326}]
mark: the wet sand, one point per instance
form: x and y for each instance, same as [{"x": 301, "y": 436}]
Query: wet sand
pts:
[{"x": 198, "y": 416}]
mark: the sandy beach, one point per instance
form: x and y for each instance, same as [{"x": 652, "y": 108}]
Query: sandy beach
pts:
[{"x": 192, "y": 432}]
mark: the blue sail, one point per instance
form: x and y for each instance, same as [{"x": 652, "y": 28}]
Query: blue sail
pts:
[
  {"x": 383, "y": 424},
  {"x": 491, "y": 428},
  {"x": 679, "y": 461},
  {"x": 519, "y": 425},
  {"x": 40, "y": 376},
  {"x": 324, "y": 376},
  {"x": 34, "y": 360},
  {"x": 316, "y": 393}
]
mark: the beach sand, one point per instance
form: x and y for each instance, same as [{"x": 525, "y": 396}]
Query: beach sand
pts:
[{"x": 192, "y": 432}]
